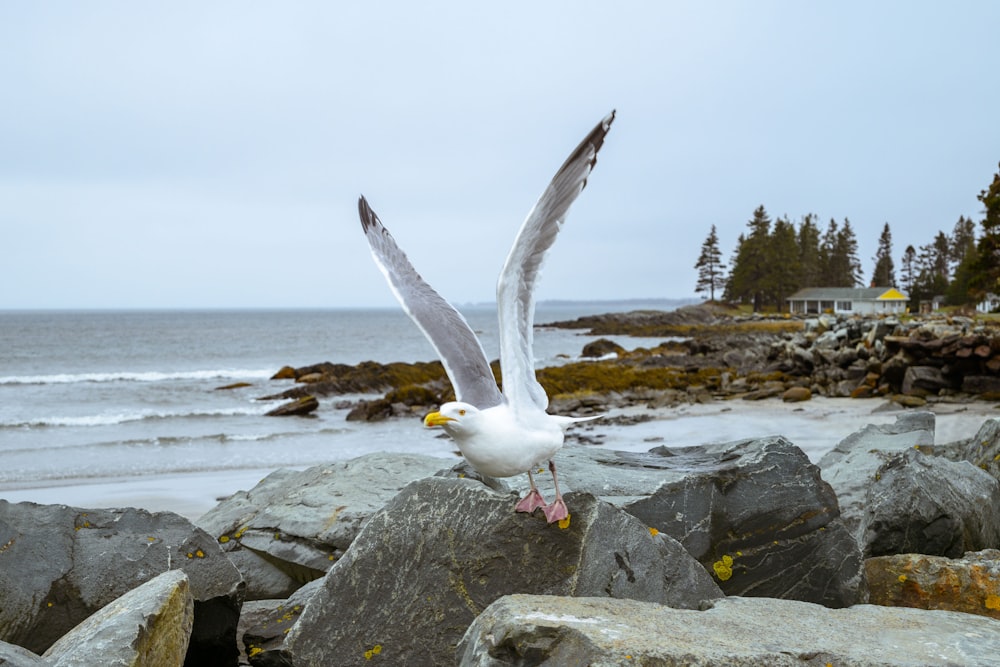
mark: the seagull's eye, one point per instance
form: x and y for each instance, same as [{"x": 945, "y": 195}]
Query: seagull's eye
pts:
[{"x": 461, "y": 413}]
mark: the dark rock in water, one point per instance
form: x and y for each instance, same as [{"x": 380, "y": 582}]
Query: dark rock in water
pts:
[
  {"x": 930, "y": 505},
  {"x": 851, "y": 465},
  {"x": 970, "y": 584},
  {"x": 284, "y": 373},
  {"x": 442, "y": 550},
  {"x": 601, "y": 347},
  {"x": 300, "y": 406},
  {"x": 61, "y": 564},
  {"x": 293, "y": 525},
  {"x": 235, "y": 385},
  {"x": 755, "y": 513},
  {"x": 149, "y": 625},
  {"x": 735, "y": 632}
]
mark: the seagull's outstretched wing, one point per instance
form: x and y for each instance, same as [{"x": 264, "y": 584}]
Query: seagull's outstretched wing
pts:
[
  {"x": 516, "y": 286},
  {"x": 446, "y": 329}
]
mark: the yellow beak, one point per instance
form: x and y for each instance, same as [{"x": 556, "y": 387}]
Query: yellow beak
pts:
[{"x": 436, "y": 419}]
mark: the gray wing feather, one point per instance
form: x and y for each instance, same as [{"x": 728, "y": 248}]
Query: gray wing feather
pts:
[
  {"x": 516, "y": 285},
  {"x": 456, "y": 344}
]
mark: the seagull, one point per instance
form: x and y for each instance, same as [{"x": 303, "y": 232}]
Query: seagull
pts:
[{"x": 500, "y": 433}]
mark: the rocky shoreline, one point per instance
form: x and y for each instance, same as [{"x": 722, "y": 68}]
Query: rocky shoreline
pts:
[
  {"x": 885, "y": 551},
  {"x": 708, "y": 354},
  {"x": 391, "y": 558}
]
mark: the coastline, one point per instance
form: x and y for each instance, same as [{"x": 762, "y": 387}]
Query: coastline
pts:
[{"x": 814, "y": 426}]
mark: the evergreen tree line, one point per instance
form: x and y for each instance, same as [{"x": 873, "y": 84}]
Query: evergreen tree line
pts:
[{"x": 775, "y": 259}]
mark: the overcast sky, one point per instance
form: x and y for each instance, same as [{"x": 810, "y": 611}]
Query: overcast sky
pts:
[{"x": 210, "y": 154}]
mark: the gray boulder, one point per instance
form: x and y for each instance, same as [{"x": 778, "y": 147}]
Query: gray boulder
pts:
[
  {"x": 929, "y": 505},
  {"x": 850, "y": 467},
  {"x": 755, "y": 513},
  {"x": 264, "y": 623},
  {"x": 732, "y": 632},
  {"x": 12, "y": 655},
  {"x": 983, "y": 450},
  {"x": 292, "y": 526},
  {"x": 149, "y": 626},
  {"x": 924, "y": 380},
  {"x": 442, "y": 550},
  {"x": 61, "y": 564}
]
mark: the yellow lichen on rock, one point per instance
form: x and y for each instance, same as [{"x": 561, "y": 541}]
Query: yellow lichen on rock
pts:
[{"x": 723, "y": 567}]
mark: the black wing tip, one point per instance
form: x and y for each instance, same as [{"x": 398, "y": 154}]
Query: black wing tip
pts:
[
  {"x": 367, "y": 215},
  {"x": 592, "y": 142}
]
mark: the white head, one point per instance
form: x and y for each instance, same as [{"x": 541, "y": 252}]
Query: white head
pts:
[{"x": 455, "y": 418}]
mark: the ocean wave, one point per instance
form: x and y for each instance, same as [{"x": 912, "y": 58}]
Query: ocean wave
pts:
[
  {"x": 113, "y": 419},
  {"x": 137, "y": 376}
]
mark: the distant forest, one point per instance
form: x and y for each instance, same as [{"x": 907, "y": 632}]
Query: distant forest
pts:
[{"x": 775, "y": 259}]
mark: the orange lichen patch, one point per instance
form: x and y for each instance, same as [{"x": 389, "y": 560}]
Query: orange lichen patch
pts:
[
  {"x": 969, "y": 585},
  {"x": 564, "y": 523},
  {"x": 654, "y": 532},
  {"x": 199, "y": 553},
  {"x": 373, "y": 651},
  {"x": 223, "y": 539}
]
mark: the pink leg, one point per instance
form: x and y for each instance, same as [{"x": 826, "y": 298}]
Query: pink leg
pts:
[
  {"x": 557, "y": 510},
  {"x": 532, "y": 501}
]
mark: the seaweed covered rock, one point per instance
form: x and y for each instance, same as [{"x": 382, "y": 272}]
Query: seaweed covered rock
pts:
[
  {"x": 61, "y": 564},
  {"x": 442, "y": 550}
]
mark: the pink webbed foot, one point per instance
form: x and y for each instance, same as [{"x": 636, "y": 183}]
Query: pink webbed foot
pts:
[
  {"x": 556, "y": 511},
  {"x": 531, "y": 502}
]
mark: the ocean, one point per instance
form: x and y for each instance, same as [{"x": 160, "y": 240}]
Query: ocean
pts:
[
  {"x": 99, "y": 408},
  {"x": 99, "y": 397}
]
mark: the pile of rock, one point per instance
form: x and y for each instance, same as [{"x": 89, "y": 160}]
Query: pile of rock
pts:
[
  {"x": 738, "y": 553},
  {"x": 867, "y": 357},
  {"x": 716, "y": 356}
]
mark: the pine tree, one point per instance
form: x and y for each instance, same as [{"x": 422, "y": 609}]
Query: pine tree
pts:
[
  {"x": 884, "y": 274},
  {"x": 986, "y": 270},
  {"x": 748, "y": 276},
  {"x": 783, "y": 278},
  {"x": 847, "y": 253},
  {"x": 710, "y": 266},
  {"x": 909, "y": 268},
  {"x": 962, "y": 255},
  {"x": 809, "y": 256},
  {"x": 829, "y": 271}
]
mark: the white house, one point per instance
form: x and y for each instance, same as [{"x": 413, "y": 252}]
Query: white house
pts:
[
  {"x": 989, "y": 304},
  {"x": 848, "y": 300}
]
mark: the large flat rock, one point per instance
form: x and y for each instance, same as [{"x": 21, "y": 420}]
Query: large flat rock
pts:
[{"x": 733, "y": 632}]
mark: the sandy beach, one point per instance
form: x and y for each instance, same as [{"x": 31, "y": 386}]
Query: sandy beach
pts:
[{"x": 815, "y": 426}]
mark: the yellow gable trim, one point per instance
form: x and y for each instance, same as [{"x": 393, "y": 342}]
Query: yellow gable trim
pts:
[{"x": 892, "y": 294}]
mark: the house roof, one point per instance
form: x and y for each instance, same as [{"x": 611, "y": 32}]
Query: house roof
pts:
[{"x": 849, "y": 293}]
